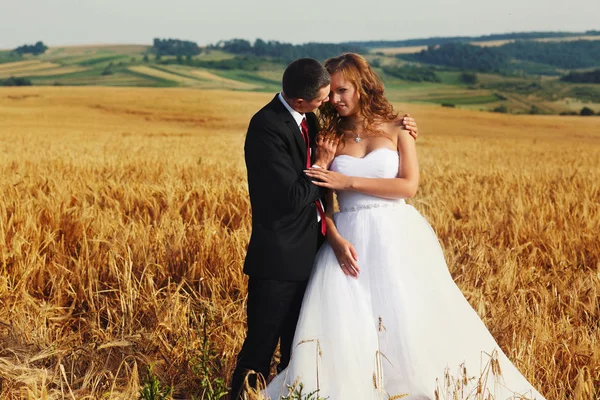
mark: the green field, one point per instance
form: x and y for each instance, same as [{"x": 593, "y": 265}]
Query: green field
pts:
[{"x": 134, "y": 65}]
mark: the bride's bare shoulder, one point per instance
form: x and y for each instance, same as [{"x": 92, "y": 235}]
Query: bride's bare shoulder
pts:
[{"x": 394, "y": 129}]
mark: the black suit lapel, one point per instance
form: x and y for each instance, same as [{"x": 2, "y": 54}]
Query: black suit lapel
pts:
[
  {"x": 290, "y": 122},
  {"x": 295, "y": 130}
]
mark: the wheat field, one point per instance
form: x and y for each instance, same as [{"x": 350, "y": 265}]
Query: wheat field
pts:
[{"x": 124, "y": 218}]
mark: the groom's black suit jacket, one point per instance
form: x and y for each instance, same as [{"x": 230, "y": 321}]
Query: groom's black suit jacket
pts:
[{"x": 285, "y": 232}]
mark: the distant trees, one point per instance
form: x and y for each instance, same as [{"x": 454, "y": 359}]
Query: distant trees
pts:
[
  {"x": 468, "y": 39},
  {"x": 469, "y": 78},
  {"x": 35, "y": 49},
  {"x": 12, "y": 81},
  {"x": 461, "y": 55},
  {"x": 586, "y": 111},
  {"x": 582, "y": 77},
  {"x": 108, "y": 70},
  {"x": 534, "y": 55},
  {"x": 571, "y": 54},
  {"x": 175, "y": 47},
  {"x": 412, "y": 73},
  {"x": 241, "y": 46},
  {"x": 585, "y": 93},
  {"x": 285, "y": 52}
]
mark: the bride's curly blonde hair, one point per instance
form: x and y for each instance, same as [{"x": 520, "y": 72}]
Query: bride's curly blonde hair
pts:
[{"x": 373, "y": 106}]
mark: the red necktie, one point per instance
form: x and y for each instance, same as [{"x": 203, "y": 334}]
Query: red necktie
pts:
[{"x": 304, "y": 129}]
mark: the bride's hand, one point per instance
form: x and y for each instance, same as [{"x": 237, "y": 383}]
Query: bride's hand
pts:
[
  {"x": 325, "y": 152},
  {"x": 346, "y": 256},
  {"x": 329, "y": 179}
]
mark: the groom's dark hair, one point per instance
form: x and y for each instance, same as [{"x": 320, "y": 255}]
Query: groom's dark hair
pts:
[{"x": 303, "y": 78}]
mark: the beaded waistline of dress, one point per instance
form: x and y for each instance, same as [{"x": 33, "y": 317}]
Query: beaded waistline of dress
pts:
[{"x": 370, "y": 206}]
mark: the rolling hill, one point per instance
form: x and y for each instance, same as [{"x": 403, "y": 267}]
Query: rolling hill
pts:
[{"x": 524, "y": 86}]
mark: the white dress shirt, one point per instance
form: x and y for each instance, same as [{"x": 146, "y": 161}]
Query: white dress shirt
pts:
[{"x": 297, "y": 116}]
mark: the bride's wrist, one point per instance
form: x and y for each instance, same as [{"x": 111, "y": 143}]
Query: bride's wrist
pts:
[
  {"x": 351, "y": 183},
  {"x": 333, "y": 237}
]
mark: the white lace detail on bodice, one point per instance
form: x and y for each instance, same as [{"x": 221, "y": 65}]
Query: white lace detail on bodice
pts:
[{"x": 379, "y": 163}]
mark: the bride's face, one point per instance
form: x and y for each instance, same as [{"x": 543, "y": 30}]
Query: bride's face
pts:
[{"x": 343, "y": 96}]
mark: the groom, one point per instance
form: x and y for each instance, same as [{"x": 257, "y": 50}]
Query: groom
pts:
[
  {"x": 286, "y": 215},
  {"x": 287, "y": 210}
]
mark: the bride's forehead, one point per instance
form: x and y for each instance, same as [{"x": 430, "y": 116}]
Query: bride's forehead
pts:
[{"x": 338, "y": 79}]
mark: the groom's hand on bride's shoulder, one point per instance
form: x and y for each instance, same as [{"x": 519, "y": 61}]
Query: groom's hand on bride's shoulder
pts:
[
  {"x": 326, "y": 148},
  {"x": 409, "y": 124}
]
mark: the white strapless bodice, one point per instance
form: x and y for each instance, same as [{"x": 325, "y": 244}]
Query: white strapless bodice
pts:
[{"x": 379, "y": 163}]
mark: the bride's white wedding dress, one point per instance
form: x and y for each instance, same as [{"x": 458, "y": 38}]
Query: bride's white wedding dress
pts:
[{"x": 403, "y": 324}]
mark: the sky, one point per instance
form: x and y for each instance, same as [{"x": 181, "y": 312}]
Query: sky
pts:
[{"x": 71, "y": 22}]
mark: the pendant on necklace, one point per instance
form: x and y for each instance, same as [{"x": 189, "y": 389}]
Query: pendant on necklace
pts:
[{"x": 357, "y": 140}]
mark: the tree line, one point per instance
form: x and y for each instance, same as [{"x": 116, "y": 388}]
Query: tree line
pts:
[
  {"x": 285, "y": 52},
  {"x": 412, "y": 73},
  {"x": 582, "y": 77},
  {"x": 573, "y": 54},
  {"x": 461, "y": 55},
  {"x": 466, "y": 39},
  {"x": 14, "y": 81},
  {"x": 175, "y": 47},
  {"x": 35, "y": 49}
]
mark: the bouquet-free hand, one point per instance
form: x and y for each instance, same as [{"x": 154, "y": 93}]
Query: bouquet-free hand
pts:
[
  {"x": 346, "y": 256},
  {"x": 325, "y": 152},
  {"x": 329, "y": 179}
]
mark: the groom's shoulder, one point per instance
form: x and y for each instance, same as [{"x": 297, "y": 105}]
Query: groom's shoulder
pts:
[
  {"x": 267, "y": 111},
  {"x": 269, "y": 114}
]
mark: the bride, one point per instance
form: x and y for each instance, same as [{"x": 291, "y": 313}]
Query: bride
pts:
[{"x": 382, "y": 317}]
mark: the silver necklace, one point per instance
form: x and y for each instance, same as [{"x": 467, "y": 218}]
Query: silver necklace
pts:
[{"x": 357, "y": 139}]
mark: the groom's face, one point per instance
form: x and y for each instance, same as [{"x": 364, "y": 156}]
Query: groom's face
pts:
[{"x": 304, "y": 106}]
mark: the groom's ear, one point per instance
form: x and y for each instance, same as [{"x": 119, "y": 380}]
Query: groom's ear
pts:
[{"x": 297, "y": 103}]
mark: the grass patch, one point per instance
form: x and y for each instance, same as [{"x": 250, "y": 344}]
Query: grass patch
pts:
[
  {"x": 152, "y": 80},
  {"x": 9, "y": 56},
  {"x": 102, "y": 60},
  {"x": 264, "y": 84},
  {"x": 450, "y": 77},
  {"x": 467, "y": 100}
]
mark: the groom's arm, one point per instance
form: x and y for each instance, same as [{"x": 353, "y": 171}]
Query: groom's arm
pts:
[{"x": 269, "y": 161}]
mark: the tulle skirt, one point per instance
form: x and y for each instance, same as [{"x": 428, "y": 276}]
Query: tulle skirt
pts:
[{"x": 402, "y": 329}]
